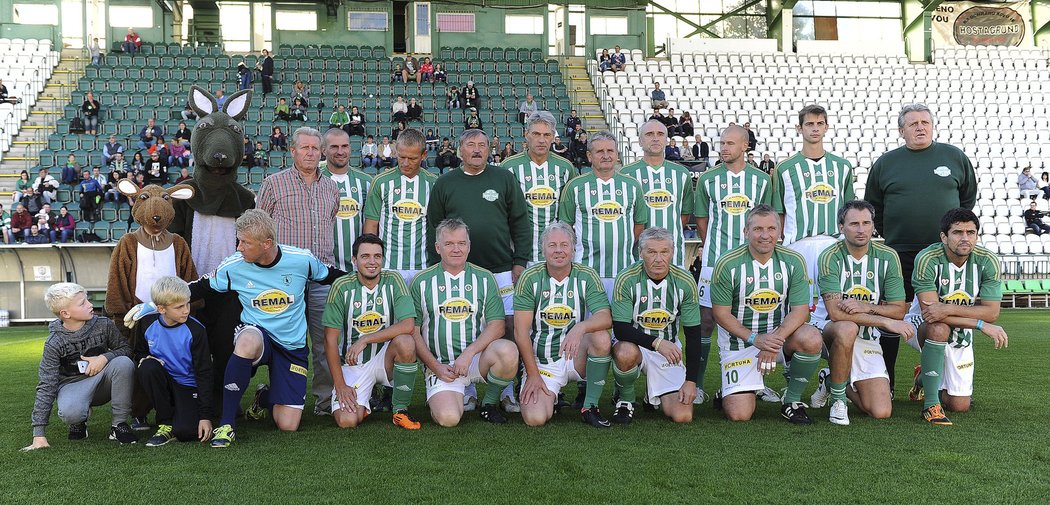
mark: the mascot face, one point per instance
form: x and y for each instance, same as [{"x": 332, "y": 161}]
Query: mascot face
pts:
[
  {"x": 152, "y": 205},
  {"x": 218, "y": 139}
]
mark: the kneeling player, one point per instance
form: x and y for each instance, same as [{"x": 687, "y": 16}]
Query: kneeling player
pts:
[
  {"x": 650, "y": 299},
  {"x": 861, "y": 292},
  {"x": 949, "y": 279},
  {"x": 459, "y": 322},
  {"x": 364, "y": 306},
  {"x": 760, "y": 293},
  {"x": 557, "y": 344}
]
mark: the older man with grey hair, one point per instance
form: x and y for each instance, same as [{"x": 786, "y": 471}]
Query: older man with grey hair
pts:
[
  {"x": 304, "y": 204},
  {"x": 911, "y": 187}
]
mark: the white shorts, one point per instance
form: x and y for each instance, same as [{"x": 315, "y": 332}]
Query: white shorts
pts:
[
  {"x": 609, "y": 284},
  {"x": 408, "y": 275},
  {"x": 661, "y": 377},
  {"x": 740, "y": 371},
  {"x": 867, "y": 362},
  {"x": 436, "y": 385},
  {"x": 810, "y": 249},
  {"x": 556, "y": 375},
  {"x": 958, "y": 368},
  {"x": 506, "y": 291},
  {"x": 363, "y": 377},
  {"x": 703, "y": 287}
]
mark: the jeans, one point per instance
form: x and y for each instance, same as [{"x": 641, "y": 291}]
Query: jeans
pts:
[
  {"x": 65, "y": 235},
  {"x": 129, "y": 47}
]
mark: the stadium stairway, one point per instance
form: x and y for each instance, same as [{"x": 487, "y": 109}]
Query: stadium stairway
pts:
[{"x": 574, "y": 72}]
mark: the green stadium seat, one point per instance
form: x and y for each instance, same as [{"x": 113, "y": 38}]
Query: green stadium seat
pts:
[
  {"x": 485, "y": 53},
  {"x": 116, "y": 232},
  {"x": 1014, "y": 287},
  {"x": 1033, "y": 286},
  {"x": 446, "y": 54}
]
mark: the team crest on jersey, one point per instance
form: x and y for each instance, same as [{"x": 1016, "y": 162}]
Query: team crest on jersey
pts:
[
  {"x": 397, "y": 191},
  {"x": 455, "y": 309},
  {"x": 407, "y": 210},
  {"x": 871, "y": 275},
  {"x": 570, "y": 294},
  {"x": 957, "y": 297},
  {"x": 357, "y": 305},
  {"x": 644, "y": 299},
  {"x": 819, "y": 193},
  {"x": 667, "y": 180},
  {"x": 944, "y": 282},
  {"x": 619, "y": 192},
  {"x": 654, "y": 319},
  {"x": 541, "y": 196},
  {"x": 273, "y": 301},
  {"x": 348, "y": 207},
  {"x": 369, "y": 322},
  {"x": 750, "y": 279},
  {"x": 859, "y": 293},
  {"x": 608, "y": 210},
  {"x": 942, "y": 171},
  {"x": 594, "y": 192},
  {"x": 659, "y": 199},
  {"x": 490, "y": 195},
  {"x": 763, "y": 300},
  {"x": 379, "y": 300},
  {"x": 287, "y": 279},
  {"x": 546, "y": 293},
  {"x": 778, "y": 276},
  {"x": 735, "y": 204},
  {"x": 557, "y": 315},
  {"x": 441, "y": 288}
]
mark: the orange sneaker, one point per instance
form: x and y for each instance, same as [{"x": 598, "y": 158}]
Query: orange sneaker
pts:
[
  {"x": 935, "y": 415},
  {"x": 405, "y": 420},
  {"x": 916, "y": 393}
]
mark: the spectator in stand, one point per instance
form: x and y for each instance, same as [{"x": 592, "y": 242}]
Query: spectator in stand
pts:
[
  {"x": 446, "y": 157},
  {"x": 139, "y": 180},
  {"x": 508, "y": 151},
  {"x": 119, "y": 163},
  {"x": 32, "y": 200},
  {"x": 278, "y": 140},
  {"x": 559, "y": 148},
  {"x": 282, "y": 111},
  {"x": 21, "y": 221},
  {"x": 5, "y": 226},
  {"x": 685, "y": 125},
  {"x": 184, "y": 175},
  {"x": 149, "y": 133},
  {"x": 411, "y": 70},
  {"x": 527, "y": 108},
  {"x": 672, "y": 152},
  {"x": 415, "y": 111},
  {"x": 604, "y": 61},
  {"x": 578, "y": 150},
  {"x": 33, "y": 236},
  {"x": 426, "y": 69},
  {"x": 658, "y": 96},
  {"x": 178, "y": 155},
  {"x": 156, "y": 169},
  {"x": 260, "y": 158},
  {"x": 432, "y": 140},
  {"x": 220, "y": 97},
  {"x": 96, "y": 52},
  {"x": 187, "y": 113},
  {"x": 132, "y": 42},
  {"x": 752, "y": 141},
  {"x": 398, "y": 109},
  {"x": 21, "y": 184},
  {"x": 6, "y": 97},
  {"x": 340, "y": 118},
  {"x": 249, "y": 152},
  {"x": 440, "y": 75},
  {"x": 49, "y": 218},
  {"x": 357, "y": 123},
  {"x": 244, "y": 76},
  {"x": 91, "y": 196},
  {"x": 160, "y": 148},
  {"x": 396, "y": 131},
  {"x": 398, "y": 74},
  {"x": 370, "y": 154},
  {"x": 751, "y": 160},
  {"x": 299, "y": 91},
  {"x": 572, "y": 123},
  {"x": 97, "y": 175},
  {"x": 43, "y": 226},
  {"x": 619, "y": 60},
  {"x": 71, "y": 172},
  {"x": 701, "y": 151},
  {"x": 387, "y": 156},
  {"x": 472, "y": 120},
  {"x": 110, "y": 148},
  {"x": 138, "y": 163},
  {"x": 767, "y": 165},
  {"x": 671, "y": 123},
  {"x": 470, "y": 95},
  {"x": 64, "y": 226},
  {"x": 1025, "y": 182},
  {"x": 453, "y": 98},
  {"x": 265, "y": 66},
  {"x": 298, "y": 110},
  {"x": 46, "y": 185},
  {"x": 112, "y": 193},
  {"x": 1044, "y": 184},
  {"x": 90, "y": 109},
  {"x": 1033, "y": 220}
]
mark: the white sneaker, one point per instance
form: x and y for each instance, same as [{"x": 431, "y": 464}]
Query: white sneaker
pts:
[
  {"x": 768, "y": 395},
  {"x": 820, "y": 397},
  {"x": 470, "y": 398},
  {"x": 508, "y": 401},
  {"x": 839, "y": 414},
  {"x": 701, "y": 397}
]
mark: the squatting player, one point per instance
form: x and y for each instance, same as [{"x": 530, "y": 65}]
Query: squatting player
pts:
[
  {"x": 652, "y": 299},
  {"x": 459, "y": 322},
  {"x": 760, "y": 293},
  {"x": 861, "y": 293},
  {"x": 561, "y": 325},
  {"x": 368, "y": 323},
  {"x": 957, "y": 290}
]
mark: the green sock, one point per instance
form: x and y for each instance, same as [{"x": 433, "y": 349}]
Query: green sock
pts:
[
  {"x": 625, "y": 381},
  {"x": 404, "y": 380},
  {"x": 496, "y": 385},
  {"x": 705, "y": 350},
  {"x": 803, "y": 366},
  {"x": 932, "y": 362},
  {"x": 597, "y": 371},
  {"x": 838, "y": 391}
]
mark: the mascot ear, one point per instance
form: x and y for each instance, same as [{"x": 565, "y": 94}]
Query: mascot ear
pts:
[
  {"x": 237, "y": 104},
  {"x": 181, "y": 192},
  {"x": 202, "y": 102},
  {"x": 128, "y": 188}
]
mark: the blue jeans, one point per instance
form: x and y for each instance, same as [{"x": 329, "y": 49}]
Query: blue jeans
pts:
[{"x": 64, "y": 234}]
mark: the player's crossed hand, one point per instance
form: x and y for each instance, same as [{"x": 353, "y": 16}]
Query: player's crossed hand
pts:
[{"x": 997, "y": 333}]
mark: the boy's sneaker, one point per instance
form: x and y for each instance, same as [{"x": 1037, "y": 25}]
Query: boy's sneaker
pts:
[
  {"x": 123, "y": 433},
  {"x": 161, "y": 437},
  {"x": 820, "y": 397},
  {"x": 140, "y": 424},
  {"x": 256, "y": 411},
  {"x": 405, "y": 420},
  {"x": 624, "y": 413},
  {"x": 222, "y": 436},
  {"x": 492, "y": 414},
  {"x": 78, "y": 431}
]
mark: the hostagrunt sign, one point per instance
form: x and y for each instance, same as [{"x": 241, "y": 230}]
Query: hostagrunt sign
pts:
[{"x": 972, "y": 24}]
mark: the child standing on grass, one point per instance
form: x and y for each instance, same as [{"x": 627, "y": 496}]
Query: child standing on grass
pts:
[
  {"x": 175, "y": 365},
  {"x": 85, "y": 363}
]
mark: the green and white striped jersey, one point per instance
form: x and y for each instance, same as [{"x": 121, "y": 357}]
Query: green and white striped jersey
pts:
[
  {"x": 977, "y": 279},
  {"x": 810, "y": 193},
  {"x": 358, "y": 311},
  {"x": 349, "y": 219},
  {"x": 557, "y": 305},
  {"x": 724, "y": 199},
  {"x": 604, "y": 214},
  {"x": 451, "y": 310},
  {"x": 656, "y": 308},
  {"x": 668, "y": 191},
  {"x": 400, "y": 205},
  {"x": 542, "y": 185},
  {"x": 875, "y": 278},
  {"x": 759, "y": 295}
]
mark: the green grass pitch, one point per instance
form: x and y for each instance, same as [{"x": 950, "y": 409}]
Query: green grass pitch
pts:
[{"x": 998, "y": 453}]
